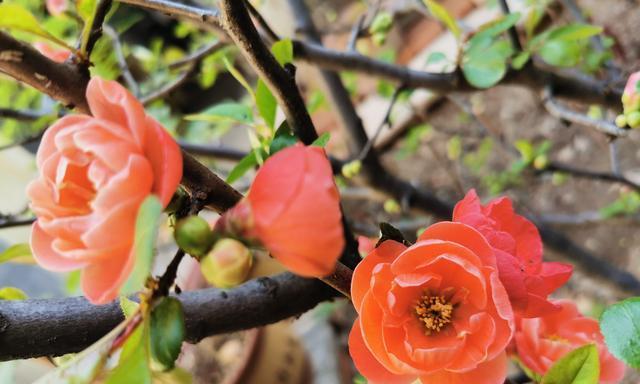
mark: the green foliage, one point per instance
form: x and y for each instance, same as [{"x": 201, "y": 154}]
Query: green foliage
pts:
[
  {"x": 484, "y": 62},
  {"x": 167, "y": 331},
  {"x": 564, "y": 46},
  {"x": 440, "y": 13},
  {"x": 627, "y": 204},
  {"x": 146, "y": 231},
  {"x": 380, "y": 27},
  {"x": 283, "y": 51},
  {"x": 534, "y": 16},
  {"x": 233, "y": 111},
  {"x": 322, "y": 140},
  {"x": 16, "y": 17},
  {"x": 133, "y": 366},
  {"x": 248, "y": 162},
  {"x": 266, "y": 103},
  {"x": 12, "y": 293},
  {"x": 87, "y": 12},
  {"x": 16, "y": 252},
  {"x": 128, "y": 307},
  {"x": 580, "y": 366},
  {"x": 316, "y": 101},
  {"x": 283, "y": 138},
  {"x": 454, "y": 148},
  {"x": 414, "y": 138},
  {"x": 620, "y": 325}
]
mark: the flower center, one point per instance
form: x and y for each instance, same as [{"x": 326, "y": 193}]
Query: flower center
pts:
[{"x": 434, "y": 312}]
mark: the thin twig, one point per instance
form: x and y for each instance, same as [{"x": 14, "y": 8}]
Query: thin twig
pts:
[
  {"x": 561, "y": 112},
  {"x": 513, "y": 32},
  {"x": 198, "y": 55},
  {"x": 355, "y": 33},
  {"x": 340, "y": 279},
  {"x": 386, "y": 122},
  {"x": 20, "y": 115},
  {"x": 169, "y": 87},
  {"x": 218, "y": 152},
  {"x": 102, "y": 9},
  {"x": 12, "y": 222},
  {"x": 198, "y": 15},
  {"x": 122, "y": 61},
  {"x": 24, "y": 141},
  {"x": 594, "y": 175},
  {"x": 613, "y": 157}
]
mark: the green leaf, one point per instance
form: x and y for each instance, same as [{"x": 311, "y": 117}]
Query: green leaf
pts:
[
  {"x": 247, "y": 162},
  {"x": 238, "y": 76},
  {"x": 167, "y": 331},
  {"x": 574, "y": 32},
  {"x": 86, "y": 10},
  {"x": 564, "y": 46},
  {"x": 526, "y": 150},
  {"x": 16, "y": 17},
  {"x": 322, "y": 140},
  {"x": 283, "y": 51},
  {"x": 440, "y": 13},
  {"x": 435, "y": 57},
  {"x": 580, "y": 366},
  {"x": 133, "y": 366},
  {"x": 620, "y": 325},
  {"x": 483, "y": 66},
  {"x": 128, "y": 307},
  {"x": 16, "y": 252},
  {"x": 520, "y": 60},
  {"x": 381, "y": 23},
  {"x": 143, "y": 244},
  {"x": 282, "y": 139},
  {"x": 266, "y": 103},
  {"x": 12, "y": 293},
  {"x": 389, "y": 232},
  {"x": 496, "y": 27},
  {"x": 561, "y": 53},
  {"x": 175, "y": 376},
  {"x": 454, "y": 148},
  {"x": 240, "y": 113}
]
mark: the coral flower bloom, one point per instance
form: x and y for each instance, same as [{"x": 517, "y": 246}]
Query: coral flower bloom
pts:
[
  {"x": 293, "y": 209},
  {"x": 542, "y": 341},
  {"x": 435, "y": 311},
  {"x": 56, "y": 54},
  {"x": 518, "y": 250},
  {"x": 95, "y": 171}
]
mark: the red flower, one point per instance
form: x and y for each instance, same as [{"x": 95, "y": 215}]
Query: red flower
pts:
[
  {"x": 518, "y": 250},
  {"x": 95, "y": 171},
  {"x": 56, "y": 54},
  {"x": 434, "y": 311},
  {"x": 293, "y": 209},
  {"x": 542, "y": 341}
]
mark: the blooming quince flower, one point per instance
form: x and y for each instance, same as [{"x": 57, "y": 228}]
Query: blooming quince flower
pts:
[
  {"x": 435, "y": 311},
  {"x": 95, "y": 171},
  {"x": 518, "y": 250}
]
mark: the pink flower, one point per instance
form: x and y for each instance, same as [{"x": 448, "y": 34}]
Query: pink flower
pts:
[
  {"x": 518, "y": 249},
  {"x": 542, "y": 341},
  {"x": 95, "y": 171},
  {"x": 57, "y": 7}
]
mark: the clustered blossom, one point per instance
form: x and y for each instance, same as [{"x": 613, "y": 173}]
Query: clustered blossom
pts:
[
  {"x": 95, "y": 171},
  {"x": 445, "y": 309},
  {"x": 630, "y": 103}
]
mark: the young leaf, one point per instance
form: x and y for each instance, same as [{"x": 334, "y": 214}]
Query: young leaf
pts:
[
  {"x": 440, "y": 13},
  {"x": 167, "y": 331},
  {"x": 282, "y": 139},
  {"x": 238, "y": 76},
  {"x": 247, "y": 162},
  {"x": 87, "y": 11},
  {"x": 128, "y": 307},
  {"x": 620, "y": 325},
  {"x": 322, "y": 140},
  {"x": 16, "y": 17},
  {"x": 240, "y": 113},
  {"x": 266, "y": 103},
  {"x": 483, "y": 66},
  {"x": 144, "y": 239},
  {"x": 12, "y": 293},
  {"x": 496, "y": 27},
  {"x": 17, "y": 253},
  {"x": 580, "y": 366},
  {"x": 283, "y": 51},
  {"x": 133, "y": 366},
  {"x": 520, "y": 60}
]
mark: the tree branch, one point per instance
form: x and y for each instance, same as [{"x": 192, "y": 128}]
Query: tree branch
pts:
[{"x": 53, "y": 327}]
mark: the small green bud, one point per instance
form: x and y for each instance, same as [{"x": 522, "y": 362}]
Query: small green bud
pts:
[
  {"x": 541, "y": 162},
  {"x": 194, "y": 235},
  {"x": 621, "y": 121},
  {"x": 351, "y": 168},
  {"x": 633, "y": 119},
  {"x": 178, "y": 200},
  {"x": 227, "y": 264}
]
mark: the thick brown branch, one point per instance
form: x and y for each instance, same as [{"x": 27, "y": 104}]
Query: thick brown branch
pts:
[{"x": 53, "y": 327}]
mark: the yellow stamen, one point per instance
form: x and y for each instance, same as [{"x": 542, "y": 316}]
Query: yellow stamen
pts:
[{"x": 434, "y": 311}]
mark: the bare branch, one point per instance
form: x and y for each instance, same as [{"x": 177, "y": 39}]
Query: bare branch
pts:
[
  {"x": 175, "y": 9},
  {"x": 13, "y": 222},
  {"x": 561, "y": 112},
  {"x": 169, "y": 87},
  {"x": 122, "y": 61},
  {"x": 594, "y": 175},
  {"x": 513, "y": 32},
  {"x": 53, "y": 327},
  {"x": 198, "y": 55}
]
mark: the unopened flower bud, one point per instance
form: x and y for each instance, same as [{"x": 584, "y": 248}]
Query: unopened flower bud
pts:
[
  {"x": 541, "y": 162},
  {"x": 631, "y": 96},
  {"x": 621, "y": 121},
  {"x": 194, "y": 235},
  {"x": 227, "y": 264},
  {"x": 633, "y": 119}
]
